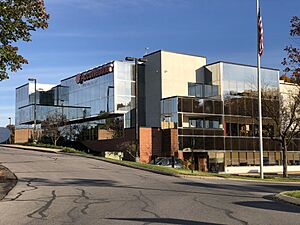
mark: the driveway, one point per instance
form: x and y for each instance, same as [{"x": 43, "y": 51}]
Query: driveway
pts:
[{"x": 64, "y": 189}]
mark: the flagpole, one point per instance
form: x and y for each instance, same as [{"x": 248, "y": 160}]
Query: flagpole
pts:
[{"x": 261, "y": 150}]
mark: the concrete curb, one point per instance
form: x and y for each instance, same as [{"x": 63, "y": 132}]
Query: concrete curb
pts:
[
  {"x": 8, "y": 181},
  {"x": 32, "y": 148},
  {"x": 282, "y": 197}
]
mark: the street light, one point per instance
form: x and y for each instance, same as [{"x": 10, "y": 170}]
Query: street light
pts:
[
  {"x": 34, "y": 110},
  {"x": 137, "y": 130},
  {"x": 10, "y": 128}
]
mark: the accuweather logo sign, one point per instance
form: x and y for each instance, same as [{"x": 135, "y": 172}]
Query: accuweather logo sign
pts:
[{"x": 97, "y": 72}]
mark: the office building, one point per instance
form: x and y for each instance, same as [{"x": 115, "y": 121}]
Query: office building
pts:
[{"x": 186, "y": 108}]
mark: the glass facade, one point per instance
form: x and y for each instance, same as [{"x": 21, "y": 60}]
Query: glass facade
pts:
[
  {"x": 112, "y": 92},
  {"x": 221, "y": 115},
  {"x": 105, "y": 89}
]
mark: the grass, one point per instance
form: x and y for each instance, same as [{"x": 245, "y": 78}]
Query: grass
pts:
[
  {"x": 64, "y": 149},
  {"x": 295, "y": 194},
  {"x": 187, "y": 172},
  {"x": 43, "y": 145}
]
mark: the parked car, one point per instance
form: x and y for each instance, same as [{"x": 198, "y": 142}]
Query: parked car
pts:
[{"x": 167, "y": 161}]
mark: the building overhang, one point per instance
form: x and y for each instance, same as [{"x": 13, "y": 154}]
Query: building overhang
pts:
[{"x": 96, "y": 117}]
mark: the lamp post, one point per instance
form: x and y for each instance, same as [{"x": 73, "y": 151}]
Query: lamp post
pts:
[
  {"x": 10, "y": 128},
  {"x": 34, "y": 110},
  {"x": 137, "y": 130}
]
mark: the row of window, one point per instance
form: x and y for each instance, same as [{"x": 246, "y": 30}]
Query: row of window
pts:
[{"x": 212, "y": 140}]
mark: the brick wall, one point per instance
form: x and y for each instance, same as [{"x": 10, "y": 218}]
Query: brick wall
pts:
[
  {"x": 153, "y": 141},
  {"x": 150, "y": 143},
  {"x": 23, "y": 135}
]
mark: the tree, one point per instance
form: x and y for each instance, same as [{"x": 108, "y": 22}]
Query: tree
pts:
[
  {"x": 292, "y": 62},
  {"x": 18, "y": 18},
  {"x": 285, "y": 114},
  {"x": 115, "y": 125},
  {"x": 284, "y": 108},
  {"x": 53, "y": 126}
]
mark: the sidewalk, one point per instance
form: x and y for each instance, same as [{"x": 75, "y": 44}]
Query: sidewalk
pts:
[{"x": 32, "y": 148}]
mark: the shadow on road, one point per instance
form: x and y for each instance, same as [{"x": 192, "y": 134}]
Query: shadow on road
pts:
[
  {"x": 165, "y": 221},
  {"x": 251, "y": 187},
  {"x": 270, "y": 205},
  {"x": 110, "y": 183},
  {"x": 70, "y": 182}
]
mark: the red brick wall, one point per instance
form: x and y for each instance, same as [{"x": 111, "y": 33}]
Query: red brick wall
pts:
[
  {"x": 153, "y": 141},
  {"x": 150, "y": 143}
]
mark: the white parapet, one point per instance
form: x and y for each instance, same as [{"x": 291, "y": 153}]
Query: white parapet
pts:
[{"x": 255, "y": 169}]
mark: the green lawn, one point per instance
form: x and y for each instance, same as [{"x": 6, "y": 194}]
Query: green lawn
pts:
[{"x": 295, "y": 194}]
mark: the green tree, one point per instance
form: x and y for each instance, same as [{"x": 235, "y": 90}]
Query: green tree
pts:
[{"x": 18, "y": 18}]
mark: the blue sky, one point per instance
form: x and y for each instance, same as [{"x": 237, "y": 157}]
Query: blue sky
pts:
[{"x": 84, "y": 34}]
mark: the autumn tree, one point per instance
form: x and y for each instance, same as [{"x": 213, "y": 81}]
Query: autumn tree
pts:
[
  {"x": 18, "y": 18},
  {"x": 292, "y": 61}
]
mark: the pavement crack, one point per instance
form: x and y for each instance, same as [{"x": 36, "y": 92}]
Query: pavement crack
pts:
[
  {"x": 227, "y": 212},
  {"x": 41, "y": 211},
  {"x": 20, "y": 193},
  {"x": 69, "y": 214},
  {"x": 145, "y": 200}
]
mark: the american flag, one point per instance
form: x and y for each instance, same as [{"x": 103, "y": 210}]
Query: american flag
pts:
[{"x": 260, "y": 35}]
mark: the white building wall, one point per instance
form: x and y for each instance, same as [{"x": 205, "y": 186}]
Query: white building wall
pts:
[
  {"x": 177, "y": 70},
  {"x": 167, "y": 74}
]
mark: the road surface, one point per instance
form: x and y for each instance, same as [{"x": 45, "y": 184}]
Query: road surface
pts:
[{"x": 64, "y": 189}]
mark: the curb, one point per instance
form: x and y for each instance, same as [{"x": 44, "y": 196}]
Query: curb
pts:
[
  {"x": 9, "y": 179},
  {"x": 29, "y": 148},
  {"x": 284, "y": 198}
]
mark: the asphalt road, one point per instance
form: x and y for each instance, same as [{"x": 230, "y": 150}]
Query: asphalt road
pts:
[{"x": 63, "y": 189}]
